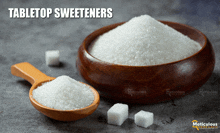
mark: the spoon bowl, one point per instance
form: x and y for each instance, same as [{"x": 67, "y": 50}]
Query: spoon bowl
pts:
[{"x": 37, "y": 78}]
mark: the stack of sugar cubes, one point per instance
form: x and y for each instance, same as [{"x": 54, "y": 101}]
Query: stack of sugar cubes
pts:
[{"x": 118, "y": 113}]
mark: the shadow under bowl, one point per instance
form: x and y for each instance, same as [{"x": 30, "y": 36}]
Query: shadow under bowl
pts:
[{"x": 147, "y": 84}]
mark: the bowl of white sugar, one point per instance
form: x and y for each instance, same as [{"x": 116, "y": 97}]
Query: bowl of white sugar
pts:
[{"x": 145, "y": 60}]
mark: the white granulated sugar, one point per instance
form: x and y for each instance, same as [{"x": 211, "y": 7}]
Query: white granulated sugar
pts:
[
  {"x": 143, "y": 41},
  {"x": 64, "y": 93}
]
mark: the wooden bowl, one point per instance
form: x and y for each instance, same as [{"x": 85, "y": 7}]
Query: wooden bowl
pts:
[{"x": 147, "y": 84}]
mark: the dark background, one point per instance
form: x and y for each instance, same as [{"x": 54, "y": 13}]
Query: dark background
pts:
[{"x": 26, "y": 40}]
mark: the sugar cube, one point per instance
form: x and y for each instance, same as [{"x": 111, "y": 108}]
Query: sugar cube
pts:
[
  {"x": 52, "y": 57},
  {"x": 143, "y": 118},
  {"x": 117, "y": 114}
]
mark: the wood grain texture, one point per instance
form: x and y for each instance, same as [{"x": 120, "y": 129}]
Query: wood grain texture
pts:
[{"x": 147, "y": 84}]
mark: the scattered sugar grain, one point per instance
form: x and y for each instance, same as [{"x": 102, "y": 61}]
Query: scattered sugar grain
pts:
[
  {"x": 144, "y": 118},
  {"x": 117, "y": 114},
  {"x": 64, "y": 93},
  {"x": 143, "y": 41},
  {"x": 52, "y": 57}
]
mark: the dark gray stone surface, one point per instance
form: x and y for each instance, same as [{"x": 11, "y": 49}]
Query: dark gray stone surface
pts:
[{"x": 26, "y": 40}]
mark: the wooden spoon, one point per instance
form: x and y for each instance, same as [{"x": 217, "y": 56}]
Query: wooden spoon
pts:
[{"x": 26, "y": 71}]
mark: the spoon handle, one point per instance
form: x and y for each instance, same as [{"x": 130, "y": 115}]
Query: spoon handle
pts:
[{"x": 28, "y": 72}]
